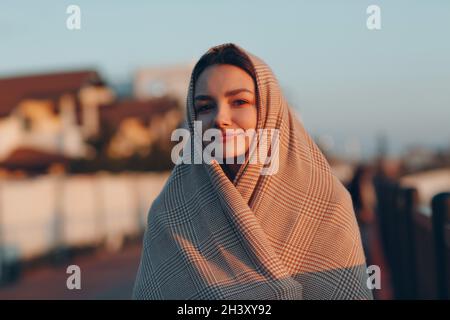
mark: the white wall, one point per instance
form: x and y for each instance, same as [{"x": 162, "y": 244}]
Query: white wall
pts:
[
  {"x": 37, "y": 214},
  {"x": 428, "y": 184}
]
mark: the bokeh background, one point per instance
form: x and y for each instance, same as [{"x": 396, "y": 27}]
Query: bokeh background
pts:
[{"x": 86, "y": 117}]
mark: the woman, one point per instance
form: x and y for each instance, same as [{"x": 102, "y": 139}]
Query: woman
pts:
[{"x": 235, "y": 231}]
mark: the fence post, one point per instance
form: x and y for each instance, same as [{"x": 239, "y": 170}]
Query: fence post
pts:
[
  {"x": 441, "y": 216},
  {"x": 407, "y": 205},
  {"x": 394, "y": 246}
]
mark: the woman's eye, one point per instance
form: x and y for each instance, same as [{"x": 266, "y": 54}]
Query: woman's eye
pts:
[
  {"x": 204, "y": 108},
  {"x": 239, "y": 102}
]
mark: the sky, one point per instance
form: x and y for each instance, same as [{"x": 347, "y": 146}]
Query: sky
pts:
[{"x": 345, "y": 81}]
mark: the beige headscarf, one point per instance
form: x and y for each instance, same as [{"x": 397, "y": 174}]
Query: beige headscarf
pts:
[{"x": 289, "y": 235}]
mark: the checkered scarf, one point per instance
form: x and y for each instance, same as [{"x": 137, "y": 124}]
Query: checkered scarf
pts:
[{"x": 290, "y": 235}]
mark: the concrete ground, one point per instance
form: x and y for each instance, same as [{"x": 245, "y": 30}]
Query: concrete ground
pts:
[{"x": 104, "y": 275}]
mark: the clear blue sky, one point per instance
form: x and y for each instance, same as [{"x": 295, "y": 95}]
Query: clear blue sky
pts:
[{"x": 344, "y": 80}]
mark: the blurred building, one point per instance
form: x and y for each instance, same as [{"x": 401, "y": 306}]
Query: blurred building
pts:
[
  {"x": 51, "y": 113},
  {"x": 159, "y": 81},
  {"x": 55, "y": 117},
  {"x": 133, "y": 126},
  {"x": 420, "y": 158}
]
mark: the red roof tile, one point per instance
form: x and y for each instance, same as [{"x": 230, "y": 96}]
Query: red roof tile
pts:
[
  {"x": 112, "y": 115},
  {"x": 13, "y": 89}
]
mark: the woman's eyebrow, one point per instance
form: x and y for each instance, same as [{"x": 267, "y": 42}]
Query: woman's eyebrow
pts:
[
  {"x": 236, "y": 91},
  {"x": 227, "y": 94}
]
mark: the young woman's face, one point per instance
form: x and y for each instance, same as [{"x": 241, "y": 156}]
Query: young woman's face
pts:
[{"x": 225, "y": 98}]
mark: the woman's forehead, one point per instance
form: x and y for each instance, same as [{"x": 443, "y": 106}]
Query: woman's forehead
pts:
[{"x": 223, "y": 78}]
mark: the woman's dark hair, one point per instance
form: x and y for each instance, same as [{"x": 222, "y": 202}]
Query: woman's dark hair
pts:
[{"x": 225, "y": 54}]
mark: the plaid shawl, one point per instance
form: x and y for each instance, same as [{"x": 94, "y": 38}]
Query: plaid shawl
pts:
[{"x": 290, "y": 235}]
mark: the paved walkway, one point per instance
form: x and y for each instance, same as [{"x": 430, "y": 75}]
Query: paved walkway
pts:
[{"x": 103, "y": 276}]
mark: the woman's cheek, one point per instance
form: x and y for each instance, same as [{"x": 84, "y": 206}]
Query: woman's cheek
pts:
[
  {"x": 205, "y": 121},
  {"x": 247, "y": 118}
]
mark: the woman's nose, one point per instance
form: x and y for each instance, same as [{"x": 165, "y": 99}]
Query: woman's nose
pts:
[{"x": 223, "y": 117}]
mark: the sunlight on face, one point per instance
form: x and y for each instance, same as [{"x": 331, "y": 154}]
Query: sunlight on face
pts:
[{"x": 225, "y": 99}]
